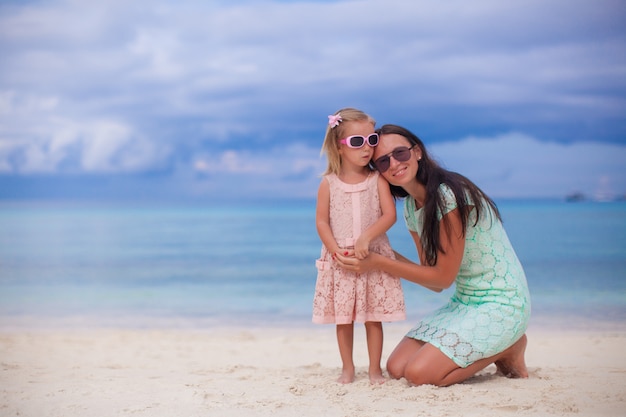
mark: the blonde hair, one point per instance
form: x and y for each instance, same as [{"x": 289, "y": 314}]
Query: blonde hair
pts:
[{"x": 330, "y": 147}]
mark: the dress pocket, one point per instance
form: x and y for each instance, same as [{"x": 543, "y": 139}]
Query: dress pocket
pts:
[{"x": 322, "y": 265}]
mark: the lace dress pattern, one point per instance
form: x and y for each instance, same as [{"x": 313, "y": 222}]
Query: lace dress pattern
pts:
[
  {"x": 341, "y": 296},
  {"x": 490, "y": 308}
]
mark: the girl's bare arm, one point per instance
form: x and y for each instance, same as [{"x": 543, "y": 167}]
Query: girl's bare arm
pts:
[
  {"x": 322, "y": 217},
  {"x": 384, "y": 223}
]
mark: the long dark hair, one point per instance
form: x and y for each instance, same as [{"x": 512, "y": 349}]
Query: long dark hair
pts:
[{"x": 431, "y": 175}]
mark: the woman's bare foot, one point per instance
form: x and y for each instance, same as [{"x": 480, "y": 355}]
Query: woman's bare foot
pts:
[
  {"x": 513, "y": 364},
  {"x": 376, "y": 376},
  {"x": 347, "y": 376}
]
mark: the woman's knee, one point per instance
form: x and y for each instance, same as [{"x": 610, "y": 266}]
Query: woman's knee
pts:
[
  {"x": 401, "y": 356},
  {"x": 430, "y": 367},
  {"x": 395, "y": 367},
  {"x": 415, "y": 374}
]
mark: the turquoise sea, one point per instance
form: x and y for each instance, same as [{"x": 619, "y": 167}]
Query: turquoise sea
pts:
[{"x": 198, "y": 265}]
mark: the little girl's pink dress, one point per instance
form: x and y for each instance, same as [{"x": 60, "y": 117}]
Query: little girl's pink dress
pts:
[{"x": 343, "y": 297}]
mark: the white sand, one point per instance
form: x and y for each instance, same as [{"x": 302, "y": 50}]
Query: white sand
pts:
[{"x": 287, "y": 372}]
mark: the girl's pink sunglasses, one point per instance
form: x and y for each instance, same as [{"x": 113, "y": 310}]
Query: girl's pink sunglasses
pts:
[{"x": 358, "y": 141}]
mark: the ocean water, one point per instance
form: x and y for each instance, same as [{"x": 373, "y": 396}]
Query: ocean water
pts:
[{"x": 152, "y": 265}]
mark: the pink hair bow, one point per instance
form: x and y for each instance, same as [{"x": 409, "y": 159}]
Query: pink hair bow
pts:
[{"x": 333, "y": 120}]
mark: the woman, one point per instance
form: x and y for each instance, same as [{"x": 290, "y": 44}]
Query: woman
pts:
[{"x": 459, "y": 237}]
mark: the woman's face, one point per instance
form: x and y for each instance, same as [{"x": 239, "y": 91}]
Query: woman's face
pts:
[{"x": 399, "y": 173}]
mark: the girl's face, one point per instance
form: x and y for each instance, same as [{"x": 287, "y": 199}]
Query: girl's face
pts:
[
  {"x": 357, "y": 156},
  {"x": 399, "y": 172}
]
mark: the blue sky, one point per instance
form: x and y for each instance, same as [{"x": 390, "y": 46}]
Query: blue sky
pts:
[{"x": 212, "y": 100}]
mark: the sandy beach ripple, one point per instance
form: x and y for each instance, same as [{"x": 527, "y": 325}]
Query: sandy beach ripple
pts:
[{"x": 287, "y": 372}]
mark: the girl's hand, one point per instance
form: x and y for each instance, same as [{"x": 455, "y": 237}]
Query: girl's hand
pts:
[
  {"x": 345, "y": 253},
  {"x": 348, "y": 261},
  {"x": 361, "y": 248}
]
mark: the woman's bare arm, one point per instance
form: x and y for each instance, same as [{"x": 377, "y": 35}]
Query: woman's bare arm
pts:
[{"x": 436, "y": 277}]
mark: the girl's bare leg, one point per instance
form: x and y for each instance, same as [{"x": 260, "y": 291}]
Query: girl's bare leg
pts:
[
  {"x": 345, "y": 339},
  {"x": 374, "y": 333}
]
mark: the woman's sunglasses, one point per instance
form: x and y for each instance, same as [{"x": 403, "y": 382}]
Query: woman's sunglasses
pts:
[
  {"x": 400, "y": 154},
  {"x": 358, "y": 141}
]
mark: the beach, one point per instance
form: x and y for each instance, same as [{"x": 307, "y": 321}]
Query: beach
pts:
[
  {"x": 142, "y": 311},
  {"x": 287, "y": 371}
]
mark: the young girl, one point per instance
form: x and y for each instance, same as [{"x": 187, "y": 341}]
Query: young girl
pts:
[{"x": 354, "y": 210}]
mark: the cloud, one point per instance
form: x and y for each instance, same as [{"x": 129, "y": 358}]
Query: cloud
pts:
[
  {"x": 88, "y": 147},
  {"x": 517, "y": 165},
  {"x": 511, "y": 165},
  {"x": 162, "y": 86},
  {"x": 281, "y": 172}
]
